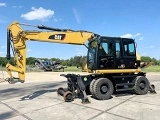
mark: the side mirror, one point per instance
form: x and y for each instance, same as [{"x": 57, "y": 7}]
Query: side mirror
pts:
[{"x": 135, "y": 44}]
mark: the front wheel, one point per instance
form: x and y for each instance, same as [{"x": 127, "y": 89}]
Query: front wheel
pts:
[
  {"x": 102, "y": 89},
  {"x": 141, "y": 85}
]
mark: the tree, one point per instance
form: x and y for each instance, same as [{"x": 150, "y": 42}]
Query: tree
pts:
[
  {"x": 30, "y": 60},
  {"x": 154, "y": 60},
  {"x": 146, "y": 59},
  {"x": 4, "y": 61}
]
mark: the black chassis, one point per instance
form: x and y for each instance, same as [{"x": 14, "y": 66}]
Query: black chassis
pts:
[{"x": 78, "y": 85}]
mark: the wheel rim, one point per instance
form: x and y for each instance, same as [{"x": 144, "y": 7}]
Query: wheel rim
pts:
[
  {"x": 142, "y": 85},
  {"x": 104, "y": 89},
  {"x": 68, "y": 96}
]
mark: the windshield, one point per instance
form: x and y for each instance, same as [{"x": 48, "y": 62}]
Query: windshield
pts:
[{"x": 91, "y": 54}]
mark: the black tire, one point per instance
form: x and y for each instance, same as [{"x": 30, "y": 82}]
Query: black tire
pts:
[
  {"x": 141, "y": 85},
  {"x": 103, "y": 89},
  {"x": 91, "y": 87}
]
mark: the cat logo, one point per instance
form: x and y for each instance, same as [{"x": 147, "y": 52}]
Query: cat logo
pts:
[{"x": 57, "y": 36}]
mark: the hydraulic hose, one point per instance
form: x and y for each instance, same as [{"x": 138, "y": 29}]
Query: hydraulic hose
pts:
[{"x": 8, "y": 55}]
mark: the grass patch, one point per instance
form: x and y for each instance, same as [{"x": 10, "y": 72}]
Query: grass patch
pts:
[
  {"x": 35, "y": 69},
  {"x": 75, "y": 69},
  {"x": 68, "y": 69},
  {"x": 72, "y": 69},
  {"x": 152, "y": 69},
  {"x": 2, "y": 68}
]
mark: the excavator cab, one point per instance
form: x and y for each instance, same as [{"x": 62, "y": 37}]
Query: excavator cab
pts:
[{"x": 112, "y": 53}]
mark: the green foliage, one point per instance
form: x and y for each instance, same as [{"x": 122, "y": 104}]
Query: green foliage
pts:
[
  {"x": 148, "y": 59},
  {"x": 30, "y": 61},
  {"x": 74, "y": 61},
  {"x": 4, "y": 61}
]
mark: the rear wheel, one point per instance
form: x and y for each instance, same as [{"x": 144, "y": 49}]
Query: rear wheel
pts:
[
  {"x": 91, "y": 87},
  {"x": 141, "y": 85},
  {"x": 102, "y": 89}
]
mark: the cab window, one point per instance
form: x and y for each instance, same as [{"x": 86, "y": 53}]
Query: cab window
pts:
[
  {"x": 106, "y": 48},
  {"x": 129, "y": 48},
  {"x": 118, "y": 54}
]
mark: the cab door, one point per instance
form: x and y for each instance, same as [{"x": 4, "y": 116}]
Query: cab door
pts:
[
  {"x": 129, "y": 54},
  {"x": 119, "y": 60},
  {"x": 106, "y": 57}
]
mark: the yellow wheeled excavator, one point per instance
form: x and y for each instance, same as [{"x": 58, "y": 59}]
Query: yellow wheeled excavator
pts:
[{"x": 112, "y": 61}]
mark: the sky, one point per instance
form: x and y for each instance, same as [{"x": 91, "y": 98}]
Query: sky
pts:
[{"x": 137, "y": 19}]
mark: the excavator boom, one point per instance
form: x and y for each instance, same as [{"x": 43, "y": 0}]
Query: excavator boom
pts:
[{"x": 17, "y": 37}]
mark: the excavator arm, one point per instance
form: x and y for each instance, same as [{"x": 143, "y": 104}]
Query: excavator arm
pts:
[{"x": 17, "y": 37}]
